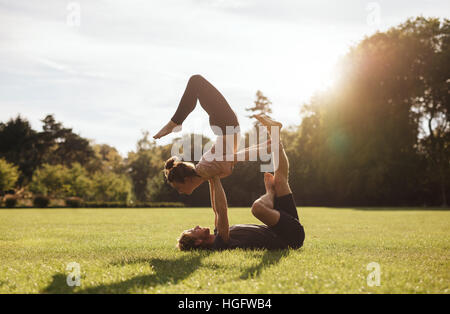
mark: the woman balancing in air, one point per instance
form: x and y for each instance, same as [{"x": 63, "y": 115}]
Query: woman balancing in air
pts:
[{"x": 185, "y": 177}]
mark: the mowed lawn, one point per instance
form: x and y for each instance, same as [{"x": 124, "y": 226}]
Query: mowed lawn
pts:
[{"x": 133, "y": 251}]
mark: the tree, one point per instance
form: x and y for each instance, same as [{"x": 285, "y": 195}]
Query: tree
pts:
[
  {"x": 106, "y": 158},
  {"x": 111, "y": 187},
  {"x": 159, "y": 191},
  {"x": 9, "y": 174},
  {"x": 143, "y": 165},
  {"x": 358, "y": 143},
  {"x": 28, "y": 149},
  {"x": 18, "y": 145},
  {"x": 52, "y": 181},
  {"x": 433, "y": 102},
  {"x": 59, "y": 181},
  {"x": 79, "y": 183},
  {"x": 261, "y": 105},
  {"x": 62, "y": 146}
]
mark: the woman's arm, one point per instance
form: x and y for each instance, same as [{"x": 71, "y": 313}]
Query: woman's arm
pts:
[{"x": 221, "y": 204}]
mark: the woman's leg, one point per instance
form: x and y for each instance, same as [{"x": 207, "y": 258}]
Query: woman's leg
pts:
[
  {"x": 212, "y": 101},
  {"x": 218, "y": 109},
  {"x": 188, "y": 101}
]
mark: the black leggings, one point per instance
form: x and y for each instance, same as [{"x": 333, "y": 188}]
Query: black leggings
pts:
[
  {"x": 288, "y": 227},
  {"x": 287, "y": 204},
  {"x": 220, "y": 113}
]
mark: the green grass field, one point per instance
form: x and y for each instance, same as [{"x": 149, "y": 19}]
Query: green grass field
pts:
[{"x": 133, "y": 251}]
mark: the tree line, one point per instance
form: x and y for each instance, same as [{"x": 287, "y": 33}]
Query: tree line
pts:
[{"x": 379, "y": 136}]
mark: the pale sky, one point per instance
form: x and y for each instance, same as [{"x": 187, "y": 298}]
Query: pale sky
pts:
[{"x": 110, "y": 69}]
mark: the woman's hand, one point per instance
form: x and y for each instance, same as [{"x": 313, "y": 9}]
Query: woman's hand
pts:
[{"x": 167, "y": 129}]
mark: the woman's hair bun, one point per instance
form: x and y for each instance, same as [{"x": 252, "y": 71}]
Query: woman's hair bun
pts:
[
  {"x": 176, "y": 170},
  {"x": 170, "y": 163}
]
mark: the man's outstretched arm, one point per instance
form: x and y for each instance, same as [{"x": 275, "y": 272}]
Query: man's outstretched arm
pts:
[
  {"x": 221, "y": 205},
  {"x": 213, "y": 204}
]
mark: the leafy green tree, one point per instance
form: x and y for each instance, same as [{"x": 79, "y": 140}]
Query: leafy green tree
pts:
[
  {"x": 59, "y": 181},
  {"x": 111, "y": 187},
  {"x": 29, "y": 149},
  {"x": 111, "y": 158},
  {"x": 9, "y": 174},
  {"x": 79, "y": 183},
  {"x": 106, "y": 158},
  {"x": 432, "y": 104},
  {"x": 160, "y": 191},
  {"x": 51, "y": 180},
  {"x": 358, "y": 142},
  {"x": 144, "y": 164},
  {"x": 62, "y": 146},
  {"x": 19, "y": 145}
]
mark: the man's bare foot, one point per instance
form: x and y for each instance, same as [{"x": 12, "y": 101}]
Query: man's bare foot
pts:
[
  {"x": 267, "y": 121},
  {"x": 167, "y": 129},
  {"x": 269, "y": 181}
]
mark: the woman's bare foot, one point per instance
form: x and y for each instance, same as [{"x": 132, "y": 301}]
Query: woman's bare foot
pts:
[{"x": 167, "y": 129}]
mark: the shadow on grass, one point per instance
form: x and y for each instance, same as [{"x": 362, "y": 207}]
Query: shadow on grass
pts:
[
  {"x": 166, "y": 271},
  {"x": 269, "y": 258},
  {"x": 58, "y": 285}
]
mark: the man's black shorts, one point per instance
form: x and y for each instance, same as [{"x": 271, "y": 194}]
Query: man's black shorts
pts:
[{"x": 288, "y": 227}]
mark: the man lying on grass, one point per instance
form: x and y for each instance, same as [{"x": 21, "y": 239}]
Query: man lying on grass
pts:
[{"x": 276, "y": 209}]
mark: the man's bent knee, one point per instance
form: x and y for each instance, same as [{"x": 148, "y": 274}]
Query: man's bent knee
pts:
[{"x": 257, "y": 208}]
